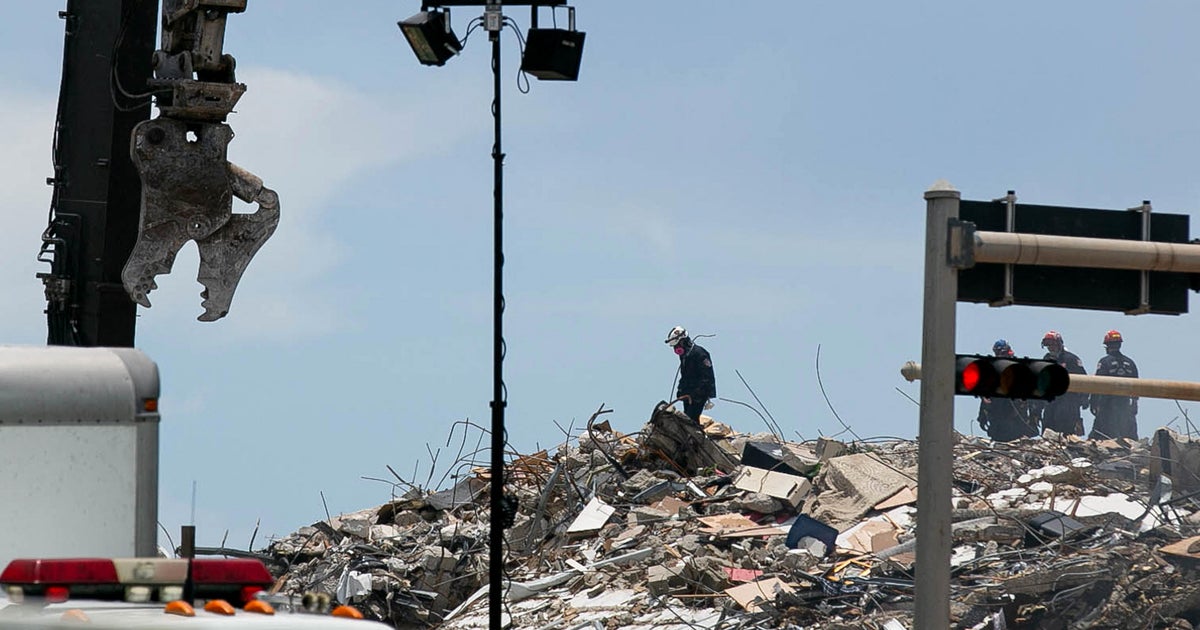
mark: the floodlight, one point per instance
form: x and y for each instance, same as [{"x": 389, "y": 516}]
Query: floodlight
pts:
[
  {"x": 553, "y": 54},
  {"x": 431, "y": 37}
]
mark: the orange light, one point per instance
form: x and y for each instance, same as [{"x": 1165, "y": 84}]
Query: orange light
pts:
[
  {"x": 75, "y": 615},
  {"x": 150, "y": 405},
  {"x": 348, "y": 612},
  {"x": 181, "y": 608},
  {"x": 219, "y": 606},
  {"x": 259, "y": 606}
]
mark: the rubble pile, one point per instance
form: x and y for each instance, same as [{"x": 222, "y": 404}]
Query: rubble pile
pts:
[{"x": 678, "y": 526}]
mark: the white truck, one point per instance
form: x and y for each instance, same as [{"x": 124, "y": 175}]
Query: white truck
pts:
[
  {"x": 78, "y": 452},
  {"x": 79, "y": 509}
]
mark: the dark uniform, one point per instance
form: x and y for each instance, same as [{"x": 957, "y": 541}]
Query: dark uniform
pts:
[
  {"x": 696, "y": 380},
  {"x": 1062, "y": 413},
  {"x": 1116, "y": 416},
  {"x": 1006, "y": 419}
]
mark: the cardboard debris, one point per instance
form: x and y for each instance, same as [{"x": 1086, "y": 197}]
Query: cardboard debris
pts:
[
  {"x": 752, "y": 595},
  {"x": 885, "y": 540},
  {"x": 860, "y": 537},
  {"x": 905, "y": 496},
  {"x": 1186, "y": 548},
  {"x": 712, "y": 428},
  {"x": 722, "y": 524},
  {"x": 669, "y": 505}
]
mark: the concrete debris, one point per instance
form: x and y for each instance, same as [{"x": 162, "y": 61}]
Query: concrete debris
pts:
[
  {"x": 594, "y": 515},
  {"x": 685, "y": 526},
  {"x": 789, "y": 488}
]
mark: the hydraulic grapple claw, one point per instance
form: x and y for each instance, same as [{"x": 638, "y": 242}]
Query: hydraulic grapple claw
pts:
[{"x": 187, "y": 194}]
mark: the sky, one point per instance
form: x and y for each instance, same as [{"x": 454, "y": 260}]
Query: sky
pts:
[{"x": 753, "y": 174}]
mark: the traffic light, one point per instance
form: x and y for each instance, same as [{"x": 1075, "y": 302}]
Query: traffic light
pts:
[{"x": 1008, "y": 377}]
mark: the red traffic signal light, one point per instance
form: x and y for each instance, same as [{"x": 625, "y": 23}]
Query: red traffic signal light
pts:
[
  {"x": 975, "y": 376},
  {"x": 1006, "y": 377}
]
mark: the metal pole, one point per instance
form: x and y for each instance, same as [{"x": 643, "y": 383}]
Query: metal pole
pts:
[
  {"x": 496, "y": 539},
  {"x": 187, "y": 549},
  {"x": 1108, "y": 385},
  {"x": 935, "y": 443},
  {"x": 1078, "y": 251}
]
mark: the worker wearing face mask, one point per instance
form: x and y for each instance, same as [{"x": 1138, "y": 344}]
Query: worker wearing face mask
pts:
[{"x": 697, "y": 384}]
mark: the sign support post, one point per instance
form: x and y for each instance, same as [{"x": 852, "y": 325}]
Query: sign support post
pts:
[{"x": 936, "y": 439}]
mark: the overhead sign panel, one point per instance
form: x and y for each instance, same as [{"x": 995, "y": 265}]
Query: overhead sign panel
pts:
[{"x": 1066, "y": 287}]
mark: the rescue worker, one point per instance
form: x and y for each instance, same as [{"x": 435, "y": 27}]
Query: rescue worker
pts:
[
  {"x": 1062, "y": 413},
  {"x": 696, "y": 381},
  {"x": 1116, "y": 416},
  {"x": 1006, "y": 419}
]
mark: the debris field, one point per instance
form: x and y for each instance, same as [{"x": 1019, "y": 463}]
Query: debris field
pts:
[{"x": 684, "y": 526}]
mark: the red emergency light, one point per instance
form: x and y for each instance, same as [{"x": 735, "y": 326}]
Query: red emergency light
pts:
[{"x": 56, "y": 579}]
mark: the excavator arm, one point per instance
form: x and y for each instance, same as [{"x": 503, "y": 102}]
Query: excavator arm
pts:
[{"x": 129, "y": 191}]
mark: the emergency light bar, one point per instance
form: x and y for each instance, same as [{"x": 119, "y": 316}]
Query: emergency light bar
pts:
[{"x": 133, "y": 579}]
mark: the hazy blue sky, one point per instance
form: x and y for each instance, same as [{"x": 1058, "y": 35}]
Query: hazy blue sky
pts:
[{"x": 753, "y": 172}]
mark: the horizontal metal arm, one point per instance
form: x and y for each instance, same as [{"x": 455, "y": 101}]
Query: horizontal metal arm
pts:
[
  {"x": 481, "y": 3},
  {"x": 1075, "y": 251},
  {"x": 1110, "y": 385}
]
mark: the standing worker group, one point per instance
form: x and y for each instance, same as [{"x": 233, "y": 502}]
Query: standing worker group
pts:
[
  {"x": 1116, "y": 416},
  {"x": 696, "y": 381},
  {"x": 1062, "y": 414}
]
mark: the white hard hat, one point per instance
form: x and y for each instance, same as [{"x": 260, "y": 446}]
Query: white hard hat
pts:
[{"x": 677, "y": 333}]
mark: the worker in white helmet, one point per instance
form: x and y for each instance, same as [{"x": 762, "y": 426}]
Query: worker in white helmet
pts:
[{"x": 697, "y": 384}]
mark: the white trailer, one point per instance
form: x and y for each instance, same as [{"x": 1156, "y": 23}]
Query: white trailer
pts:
[{"x": 78, "y": 452}]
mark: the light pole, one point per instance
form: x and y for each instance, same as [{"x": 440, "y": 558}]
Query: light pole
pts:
[{"x": 549, "y": 54}]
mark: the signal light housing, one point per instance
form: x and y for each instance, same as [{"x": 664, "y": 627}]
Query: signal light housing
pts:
[
  {"x": 57, "y": 579},
  {"x": 1006, "y": 377}
]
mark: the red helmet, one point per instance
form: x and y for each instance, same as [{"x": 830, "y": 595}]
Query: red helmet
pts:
[
  {"x": 1112, "y": 336},
  {"x": 1051, "y": 337}
]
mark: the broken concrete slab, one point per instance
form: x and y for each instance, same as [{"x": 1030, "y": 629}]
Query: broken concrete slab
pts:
[
  {"x": 757, "y": 502},
  {"x": 851, "y": 485},
  {"x": 593, "y": 517},
  {"x": 791, "y": 489},
  {"x": 1178, "y": 457}
]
